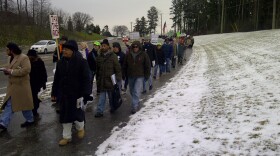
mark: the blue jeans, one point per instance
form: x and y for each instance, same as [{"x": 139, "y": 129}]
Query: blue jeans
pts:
[
  {"x": 161, "y": 69},
  {"x": 8, "y": 112},
  {"x": 135, "y": 87},
  {"x": 102, "y": 101},
  {"x": 168, "y": 65},
  {"x": 150, "y": 80}
]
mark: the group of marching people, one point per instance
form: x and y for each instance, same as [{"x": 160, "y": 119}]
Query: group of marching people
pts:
[{"x": 74, "y": 77}]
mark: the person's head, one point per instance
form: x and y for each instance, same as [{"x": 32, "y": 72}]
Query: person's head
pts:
[
  {"x": 181, "y": 40},
  {"x": 69, "y": 47},
  {"x": 13, "y": 49},
  {"x": 136, "y": 46},
  {"x": 83, "y": 45},
  {"x": 63, "y": 39},
  {"x": 159, "y": 45},
  {"x": 96, "y": 45},
  {"x": 117, "y": 47},
  {"x": 32, "y": 54},
  {"x": 105, "y": 46}
]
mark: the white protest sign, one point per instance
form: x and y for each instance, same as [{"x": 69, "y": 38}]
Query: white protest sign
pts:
[{"x": 54, "y": 26}]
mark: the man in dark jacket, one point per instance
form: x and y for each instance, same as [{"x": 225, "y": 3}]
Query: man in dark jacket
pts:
[
  {"x": 118, "y": 51},
  {"x": 150, "y": 50},
  {"x": 38, "y": 78},
  {"x": 107, "y": 65},
  {"x": 137, "y": 67},
  {"x": 167, "y": 49},
  {"x": 92, "y": 61},
  {"x": 71, "y": 80}
]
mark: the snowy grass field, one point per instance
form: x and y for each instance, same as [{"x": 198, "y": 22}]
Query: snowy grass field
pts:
[{"x": 224, "y": 101}]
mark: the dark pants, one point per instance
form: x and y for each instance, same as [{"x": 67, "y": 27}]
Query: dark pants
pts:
[{"x": 36, "y": 102}]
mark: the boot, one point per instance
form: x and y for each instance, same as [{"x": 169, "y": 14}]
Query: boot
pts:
[{"x": 63, "y": 142}]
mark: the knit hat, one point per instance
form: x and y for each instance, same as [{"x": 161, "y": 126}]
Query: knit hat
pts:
[
  {"x": 32, "y": 52},
  {"x": 136, "y": 43},
  {"x": 14, "y": 48},
  {"x": 105, "y": 41},
  {"x": 71, "y": 44}
]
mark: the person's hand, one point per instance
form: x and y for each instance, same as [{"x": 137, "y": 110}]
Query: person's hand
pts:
[
  {"x": 87, "y": 98},
  {"x": 53, "y": 98},
  {"x": 7, "y": 71}
]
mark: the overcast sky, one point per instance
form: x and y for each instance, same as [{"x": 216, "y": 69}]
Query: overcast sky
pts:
[{"x": 116, "y": 12}]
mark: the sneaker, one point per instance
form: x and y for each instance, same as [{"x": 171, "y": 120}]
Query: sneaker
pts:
[
  {"x": 63, "y": 142},
  {"x": 151, "y": 87},
  {"x": 144, "y": 92},
  {"x": 26, "y": 124},
  {"x": 2, "y": 128},
  {"x": 98, "y": 115},
  {"x": 81, "y": 133}
]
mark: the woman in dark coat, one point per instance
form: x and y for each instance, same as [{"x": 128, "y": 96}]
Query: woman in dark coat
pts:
[
  {"x": 38, "y": 78},
  {"x": 72, "y": 81}
]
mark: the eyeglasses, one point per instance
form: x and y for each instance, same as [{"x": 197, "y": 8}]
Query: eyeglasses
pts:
[{"x": 134, "y": 46}]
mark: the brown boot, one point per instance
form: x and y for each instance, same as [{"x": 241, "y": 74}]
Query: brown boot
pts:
[
  {"x": 63, "y": 142},
  {"x": 81, "y": 133}
]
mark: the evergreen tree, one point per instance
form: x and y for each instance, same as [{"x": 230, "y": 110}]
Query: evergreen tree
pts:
[
  {"x": 152, "y": 19},
  {"x": 70, "y": 26}
]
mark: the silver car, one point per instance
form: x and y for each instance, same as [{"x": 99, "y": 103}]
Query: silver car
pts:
[{"x": 44, "y": 46}]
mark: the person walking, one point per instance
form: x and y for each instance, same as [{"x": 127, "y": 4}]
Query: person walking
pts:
[
  {"x": 107, "y": 65},
  {"x": 137, "y": 67},
  {"x": 149, "y": 48},
  {"x": 84, "y": 50},
  {"x": 181, "y": 50},
  {"x": 18, "y": 96},
  {"x": 38, "y": 78},
  {"x": 92, "y": 61},
  {"x": 160, "y": 61},
  {"x": 72, "y": 81},
  {"x": 168, "y": 51},
  {"x": 120, "y": 54}
]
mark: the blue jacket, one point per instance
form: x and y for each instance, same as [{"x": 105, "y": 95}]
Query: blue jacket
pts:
[{"x": 167, "y": 50}]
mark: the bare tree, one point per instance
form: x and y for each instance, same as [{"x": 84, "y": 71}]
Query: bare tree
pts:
[
  {"x": 81, "y": 19},
  {"x": 120, "y": 30}
]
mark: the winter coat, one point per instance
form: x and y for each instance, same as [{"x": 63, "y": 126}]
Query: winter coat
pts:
[
  {"x": 167, "y": 50},
  {"x": 107, "y": 65},
  {"x": 121, "y": 57},
  {"x": 92, "y": 61},
  {"x": 150, "y": 49},
  {"x": 181, "y": 49},
  {"x": 19, "y": 89},
  {"x": 160, "y": 57},
  {"x": 139, "y": 67},
  {"x": 38, "y": 75},
  {"x": 71, "y": 81}
]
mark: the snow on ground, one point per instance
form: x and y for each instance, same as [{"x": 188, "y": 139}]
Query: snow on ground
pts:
[{"x": 224, "y": 101}]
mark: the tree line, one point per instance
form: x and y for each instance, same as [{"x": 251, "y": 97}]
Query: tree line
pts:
[
  {"x": 219, "y": 16},
  {"x": 36, "y": 12}
]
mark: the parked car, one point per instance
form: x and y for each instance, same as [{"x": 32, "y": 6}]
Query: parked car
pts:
[{"x": 44, "y": 46}]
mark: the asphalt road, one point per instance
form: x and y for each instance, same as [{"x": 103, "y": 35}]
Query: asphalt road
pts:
[{"x": 42, "y": 139}]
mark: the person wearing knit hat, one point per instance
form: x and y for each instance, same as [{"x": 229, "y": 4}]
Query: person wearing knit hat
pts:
[
  {"x": 120, "y": 54},
  {"x": 92, "y": 61},
  {"x": 105, "y": 41},
  {"x": 38, "y": 78},
  {"x": 137, "y": 67},
  {"x": 18, "y": 96},
  {"x": 71, "y": 89}
]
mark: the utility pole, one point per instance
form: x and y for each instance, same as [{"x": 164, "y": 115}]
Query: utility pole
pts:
[
  {"x": 274, "y": 14},
  {"x": 222, "y": 18},
  {"x": 130, "y": 26},
  {"x": 161, "y": 24}
]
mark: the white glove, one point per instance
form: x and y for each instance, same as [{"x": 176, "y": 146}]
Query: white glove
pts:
[{"x": 153, "y": 63}]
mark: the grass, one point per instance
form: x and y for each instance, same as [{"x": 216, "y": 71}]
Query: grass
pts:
[{"x": 28, "y": 35}]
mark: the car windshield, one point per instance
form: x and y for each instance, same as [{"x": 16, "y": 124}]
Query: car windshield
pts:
[{"x": 41, "y": 43}]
